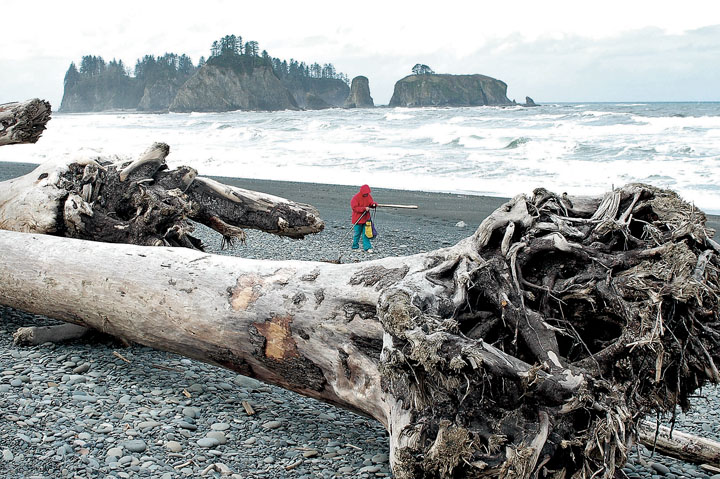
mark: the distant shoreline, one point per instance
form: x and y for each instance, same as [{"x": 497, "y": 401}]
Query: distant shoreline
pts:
[{"x": 451, "y": 207}]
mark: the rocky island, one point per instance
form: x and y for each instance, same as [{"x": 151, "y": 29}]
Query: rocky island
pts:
[
  {"x": 235, "y": 77},
  {"x": 431, "y": 89},
  {"x": 359, "y": 94}
]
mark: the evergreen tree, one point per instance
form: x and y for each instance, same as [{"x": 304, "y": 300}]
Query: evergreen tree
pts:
[
  {"x": 328, "y": 71},
  {"x": 420, "y": 69},
  {"x": 239, "y": 45},
  {"x": 185, "y": 65},
  {"x": 72, "y": 76},
  {"x": 91, "y": 66},
  {"x": 251, "y": 49}
]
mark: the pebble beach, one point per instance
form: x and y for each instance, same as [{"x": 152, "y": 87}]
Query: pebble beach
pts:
[{"x": 94, "y": 408}]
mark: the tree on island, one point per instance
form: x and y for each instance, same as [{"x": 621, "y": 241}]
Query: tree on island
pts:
[
  {"x": 72, "y": 76},
  {"x": 229, "y": 50},
  {"x": 420, "y": 69}
]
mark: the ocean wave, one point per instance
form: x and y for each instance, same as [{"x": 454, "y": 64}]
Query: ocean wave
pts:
[
  {"x": 580, "y": 148},
  {"x": 517, "y": 142},
  {"x": 398, "y": 116}
]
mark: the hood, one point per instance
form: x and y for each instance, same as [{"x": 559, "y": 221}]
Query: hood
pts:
[{"x": 364, "y": 190}]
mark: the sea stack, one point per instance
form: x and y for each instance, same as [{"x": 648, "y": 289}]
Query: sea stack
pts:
[
  {"x": 529, "y": 102},
  {"x": 359, "y": 94},
  {"x": 449, "y": 90}
]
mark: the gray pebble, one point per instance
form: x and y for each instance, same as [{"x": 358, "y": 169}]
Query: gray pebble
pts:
[
  {"x": 187, "y": 425},
  {"x": 135, "y": 445},
  {"x": 82, "y": 368},
  {"x": 104, "y": 428},
  {"x": 370, "y": 469},
  {"x": 220, "y": 426},
  {"x": 173, "y": 446},
  {"x": 115, "y": 451},
  {"x": 208, "y": 442},
  {"x": 190, "y": 412},
  {"x": 219, "y": 435},
  {"x": 660, "y": 468},
  {"x": 272, "y": 424}
]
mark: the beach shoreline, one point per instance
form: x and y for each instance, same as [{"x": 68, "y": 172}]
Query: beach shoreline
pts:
[{"x": 333, "y": 200}]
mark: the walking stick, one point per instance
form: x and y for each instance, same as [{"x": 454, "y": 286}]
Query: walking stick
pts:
[{"x": 407, "y": 207}]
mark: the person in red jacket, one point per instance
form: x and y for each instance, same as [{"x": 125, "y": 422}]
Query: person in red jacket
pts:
[{"x": 360, "y": 205}]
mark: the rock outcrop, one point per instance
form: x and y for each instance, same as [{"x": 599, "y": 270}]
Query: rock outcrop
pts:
[
  {"x": 322, "y": 92},
  {"x": 449, "y": 90},
  {"x": 158, "y": 96},
  {"x": 314, "y": 102},
  {"x": 529, "y": 102},
  {"x": 227, "y": 86},
  {"x": 359, "y": 94},
  {"x": 101, "y": 93}
]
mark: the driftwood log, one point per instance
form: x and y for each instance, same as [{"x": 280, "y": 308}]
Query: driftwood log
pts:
[
  {"x": 142, "y": 202},
  {"x": 530, "y": 349},
  {"x": 683, "y": 446},
  {"x": 23, "y": 122}
]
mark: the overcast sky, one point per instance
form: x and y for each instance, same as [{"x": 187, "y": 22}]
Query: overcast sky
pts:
[{"x": 550, "y": 50}]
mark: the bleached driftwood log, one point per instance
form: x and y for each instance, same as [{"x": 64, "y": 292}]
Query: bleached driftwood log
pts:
[
  {"x": 23, "y": 122},
  {"x": 142, "y": 202},
  {"x": 678, "y": 444},
  {"x": 527, "y": 350}
]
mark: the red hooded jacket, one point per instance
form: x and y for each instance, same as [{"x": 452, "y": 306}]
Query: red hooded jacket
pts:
[{"x": 358, "y": 204}]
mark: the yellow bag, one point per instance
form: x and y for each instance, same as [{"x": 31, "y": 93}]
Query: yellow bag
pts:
[{"x": 369, "y": 229}]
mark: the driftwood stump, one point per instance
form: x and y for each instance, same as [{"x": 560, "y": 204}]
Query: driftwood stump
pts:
[
  {"x": 530, "y": 349},
  {"x": 142, "y": 202},
  {"x": 23, "y": 122}
]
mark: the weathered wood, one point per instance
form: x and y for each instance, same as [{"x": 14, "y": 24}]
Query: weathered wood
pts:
[
  {"x": 409, "y": 207},
  {"x": 522, "y": 351},
  {"x": 33, "y": 336},
  {"x": 142, "y": 202},
  {"x": 23, "y": 122},
  {"x": 678, "y": 444}
]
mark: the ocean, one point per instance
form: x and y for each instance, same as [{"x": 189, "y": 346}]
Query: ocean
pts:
[{"x": 575, "y": 148}]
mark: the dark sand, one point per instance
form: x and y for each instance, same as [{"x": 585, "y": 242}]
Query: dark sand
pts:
[{"x": 333, "y": 200}]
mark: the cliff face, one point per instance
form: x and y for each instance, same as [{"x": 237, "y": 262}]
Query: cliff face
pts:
[
  {"x": 331, "y": 91},
  {"x": 449, "y": 90},
  {"x": 217, "y": 87},
  {"x": 158, "y": 96},
  {"x": 100, "y": 94},
  {"x": 359, "y": 94}
]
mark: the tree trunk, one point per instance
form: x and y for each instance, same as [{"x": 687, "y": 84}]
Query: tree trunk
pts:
[
  {"x": 23, "y": 122},
  {"x": 527, "y": 350},
  {"x": 142, "y": 202}
]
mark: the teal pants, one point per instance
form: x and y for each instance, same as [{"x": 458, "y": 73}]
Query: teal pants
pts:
[{"x": 358, "y": 231}]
